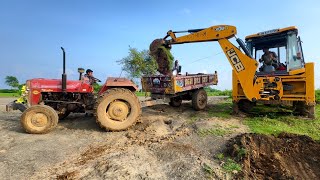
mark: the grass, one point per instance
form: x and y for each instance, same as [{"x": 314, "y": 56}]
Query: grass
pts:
[
  {"x": 230, "y": 166},
  {"x": 208, "y": 169},
  {"x": 220, "y": 156},
  {"x": 214, "y": 131},
  {"x": 222, "y": 110},
  {"x": 275, "y": 123},
  {"x": 9, "y": 95},
  {"x": 143, "y": 94},
  {"x": 317, "y": 92},
  {"x": 193, "y": 118}
]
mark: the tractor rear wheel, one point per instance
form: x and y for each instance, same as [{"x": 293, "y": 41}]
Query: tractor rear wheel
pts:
[
  {"x": 39, "y": 119},
  {"x": 199, "y": 99},
  {"x": 117, "y": 109},
  {"x": 175, "y": 102}
]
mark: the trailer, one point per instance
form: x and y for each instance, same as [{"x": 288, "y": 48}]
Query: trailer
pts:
[{"x": 175, "y": 89}]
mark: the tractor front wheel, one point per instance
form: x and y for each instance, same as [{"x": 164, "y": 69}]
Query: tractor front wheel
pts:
[
  {"x": 117, "y": 109},
  {"x": 39, "y": 119}
]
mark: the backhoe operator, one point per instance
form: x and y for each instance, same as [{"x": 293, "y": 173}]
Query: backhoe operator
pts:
[{"x": 269, "y": 58}]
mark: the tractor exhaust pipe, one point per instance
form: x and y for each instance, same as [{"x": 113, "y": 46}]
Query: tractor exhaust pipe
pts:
[{"x": 64, "y": 75}]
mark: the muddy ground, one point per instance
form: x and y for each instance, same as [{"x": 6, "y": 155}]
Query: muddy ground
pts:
[
  {"x": 167, "y": 143},
  {"x": 163, "y": 145}
]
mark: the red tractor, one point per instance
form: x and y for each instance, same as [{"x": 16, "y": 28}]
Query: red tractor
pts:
[{"x": 116, "y": 107}]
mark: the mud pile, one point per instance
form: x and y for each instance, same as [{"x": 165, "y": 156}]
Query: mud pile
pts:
[{"x": 287, "y": 156}]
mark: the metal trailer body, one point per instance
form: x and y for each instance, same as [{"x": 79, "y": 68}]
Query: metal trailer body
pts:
[{"x": 174, "y": 89}]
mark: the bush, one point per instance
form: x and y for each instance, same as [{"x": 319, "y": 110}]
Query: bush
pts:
[
  {"x": 216, "y": 92},
  {"x": 318, "y": 96}
]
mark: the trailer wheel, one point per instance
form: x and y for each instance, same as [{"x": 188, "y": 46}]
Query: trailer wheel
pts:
[
  {"x": 199, "y": 99},
  {"x": 175, "y": 102},
  {"x": 245, "y": 105},
  {"x": 39, "y": 119},
  {"x": 117, "y": 109}
]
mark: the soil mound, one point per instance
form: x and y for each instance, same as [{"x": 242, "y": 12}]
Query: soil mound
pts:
[{"x": 287, "y": 156}]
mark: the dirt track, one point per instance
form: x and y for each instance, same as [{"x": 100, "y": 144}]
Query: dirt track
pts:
[{"x": 164, "y": 145}]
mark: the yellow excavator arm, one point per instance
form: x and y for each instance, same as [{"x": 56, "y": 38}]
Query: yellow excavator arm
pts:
[{"x": 243, "y": 64}]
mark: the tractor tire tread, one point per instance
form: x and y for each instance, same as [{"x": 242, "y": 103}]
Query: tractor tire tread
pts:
[
  {"x": 113, "y": 91},
  {"x": 54, "y": 119},
  {"x": 194, "y": 102}
]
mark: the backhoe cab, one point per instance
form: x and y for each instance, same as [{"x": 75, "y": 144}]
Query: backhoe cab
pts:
[
  {"x": 284, "y": 42},
  {"x": 292, "y": 80}
]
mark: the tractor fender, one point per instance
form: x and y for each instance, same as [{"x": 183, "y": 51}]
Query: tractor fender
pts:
[{"x": 114, "y": 82}]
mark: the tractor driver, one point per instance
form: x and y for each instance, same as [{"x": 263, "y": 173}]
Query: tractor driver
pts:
[
  {"x": 269, "y": 58},
  {"x": 88, "y": 77}
]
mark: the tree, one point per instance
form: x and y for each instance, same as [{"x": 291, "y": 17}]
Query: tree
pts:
[
  {"x": 12, "y": 81},
  {"x": 138, "y": 63},
  {"x": 96, "y": 87}
]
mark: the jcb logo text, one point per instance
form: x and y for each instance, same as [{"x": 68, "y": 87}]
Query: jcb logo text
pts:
[{"x": 235, "y": 60}]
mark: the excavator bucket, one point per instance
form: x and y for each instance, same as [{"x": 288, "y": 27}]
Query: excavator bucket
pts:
[{"x": 162, "y": 55}]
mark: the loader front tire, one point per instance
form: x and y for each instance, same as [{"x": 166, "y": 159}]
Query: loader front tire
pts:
[
  {"x": 39, "y": 119},
  {"x": 302, "y": 109},
  {"x": 245, "y": 105},
  {"x": 117, "y": 109}
]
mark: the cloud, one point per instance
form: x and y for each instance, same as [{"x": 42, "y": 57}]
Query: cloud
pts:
[
  {"x": 185, "y": 11},
  {"x": 205, "y": 71},
  {"x": 214, "y": 22}
]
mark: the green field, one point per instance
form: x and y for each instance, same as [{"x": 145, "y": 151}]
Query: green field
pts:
[
  {"x": 268, "y": 121},
  {"x": 143, "y": 94},
  {"x": 9, "y": 95}
]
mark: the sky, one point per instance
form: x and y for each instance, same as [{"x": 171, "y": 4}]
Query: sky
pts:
[{"x": 97, "y": 33}]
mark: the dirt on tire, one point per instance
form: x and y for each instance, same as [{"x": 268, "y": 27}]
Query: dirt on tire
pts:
[
  {"x": 33, "y": 126},
  {"x": 128, "y": 102},
  {"x": 287, "y": 156},
  {"x": 199, "y": 99}
]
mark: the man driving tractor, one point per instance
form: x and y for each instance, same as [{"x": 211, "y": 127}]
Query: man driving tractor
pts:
[{"x": 88, "y": 77}]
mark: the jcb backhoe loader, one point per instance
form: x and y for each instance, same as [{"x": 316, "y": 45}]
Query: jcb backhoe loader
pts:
[{"x": 288, "y": 80}]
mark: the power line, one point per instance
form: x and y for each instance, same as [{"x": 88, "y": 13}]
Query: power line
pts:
[{"x": 205, "y": 57}]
